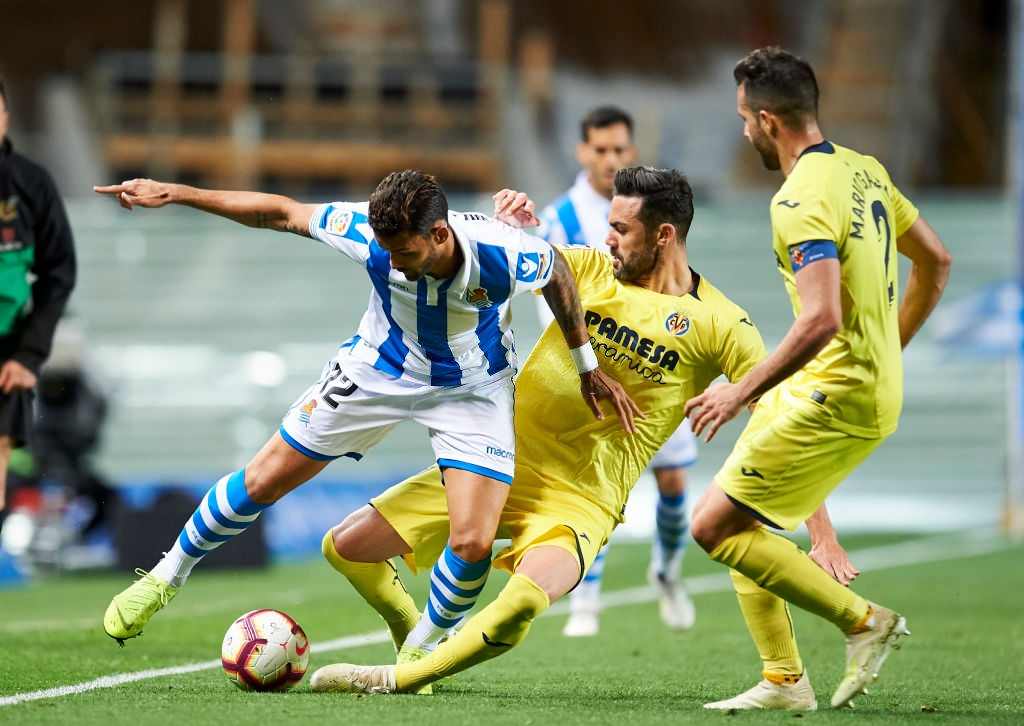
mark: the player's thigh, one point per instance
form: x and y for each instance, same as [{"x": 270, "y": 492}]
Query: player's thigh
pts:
[
  {"x": 787, "y": 461},
  {"x": 335, "y": 418},
  {"x": 475, "y": 502},
  {"x": 417, "y": 509},
  {"x": 568, "y": 522}
]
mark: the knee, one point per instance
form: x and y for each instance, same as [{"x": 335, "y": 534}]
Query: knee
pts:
[
  {"x": 261, "y": 485},
  {"x": 350, "y": 539},
  {"x": 704, "y": 532},
  {"x": 470, "y": 546}
]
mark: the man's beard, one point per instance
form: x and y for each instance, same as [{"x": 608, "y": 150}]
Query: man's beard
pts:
[{"x": 639, "y": 264}]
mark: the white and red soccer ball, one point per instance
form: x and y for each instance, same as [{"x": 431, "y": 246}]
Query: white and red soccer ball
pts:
[{"x": 265, "y": 650}]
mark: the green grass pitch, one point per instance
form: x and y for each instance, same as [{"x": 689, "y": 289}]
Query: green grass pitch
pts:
[{"x": 963, "y": 663}]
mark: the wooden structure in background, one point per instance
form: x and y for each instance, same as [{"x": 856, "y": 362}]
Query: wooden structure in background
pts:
[{"x": 349, "y": 115}]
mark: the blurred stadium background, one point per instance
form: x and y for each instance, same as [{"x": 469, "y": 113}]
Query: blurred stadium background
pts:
[{"x": 203, "y": 332}]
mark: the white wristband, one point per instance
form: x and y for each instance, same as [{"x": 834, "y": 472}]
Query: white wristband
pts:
[{"x": 584, "y": 358}]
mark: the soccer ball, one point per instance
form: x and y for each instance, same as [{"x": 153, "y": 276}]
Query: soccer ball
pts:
[{"x": 265, "y": 650}]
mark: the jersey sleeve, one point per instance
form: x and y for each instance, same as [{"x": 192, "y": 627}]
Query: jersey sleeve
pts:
[
  {"x": 742, "y": 347},
  {"x": 586, "y": 264},
  {"x": 526, "y": 258},
  {"x": 905, "y": 212},
  {"x": 343, "y": 226},
  {"x": 810, "y": 219}
]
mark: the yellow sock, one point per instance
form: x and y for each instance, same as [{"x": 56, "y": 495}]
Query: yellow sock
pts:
[
  {"x": 771, "y": 627},
  {"x": 494, "y": 630},
  {"x": 381, "y": 587},
  {"x": 778, "y": 565}
]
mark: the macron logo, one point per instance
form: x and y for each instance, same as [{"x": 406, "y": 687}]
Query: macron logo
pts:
[{"x": 501, "y": 453}]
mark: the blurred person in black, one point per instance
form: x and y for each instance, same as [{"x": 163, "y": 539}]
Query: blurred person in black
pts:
[
  {"x": 71, "y": 408},
  {"x": 37, "y": 274}
]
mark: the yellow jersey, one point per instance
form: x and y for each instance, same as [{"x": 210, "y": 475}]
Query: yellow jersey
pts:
[
  {"x": 663, "y": 349},
  {"x": 840, "y": 204}
]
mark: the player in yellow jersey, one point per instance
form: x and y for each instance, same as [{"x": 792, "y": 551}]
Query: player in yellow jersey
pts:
[
  {"x": 664, "y": 333},
  {"x": 831, "y": 391}
]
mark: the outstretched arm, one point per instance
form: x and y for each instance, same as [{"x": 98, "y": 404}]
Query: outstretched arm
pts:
[
  {"x": 929, "y": 269},
  {"x": 253, "y": 209}
]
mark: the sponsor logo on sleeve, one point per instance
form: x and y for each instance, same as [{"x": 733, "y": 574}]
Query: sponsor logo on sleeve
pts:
[
  {"x": 528, "y": 267},
  {"x": 339, "y": 221}
]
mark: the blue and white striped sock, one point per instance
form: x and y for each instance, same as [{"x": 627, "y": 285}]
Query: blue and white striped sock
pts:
[
  {"x": 225, "y": 512},
  {"x": 673, "y": 525},
  {"x": 455, "y": 586}
]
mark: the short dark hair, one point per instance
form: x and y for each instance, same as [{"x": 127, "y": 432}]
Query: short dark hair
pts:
[
  {"x": 665, "y": 194},
  {"x": 406, "y": 201},
  {"x": 3, "y": 91},
  {"x": 776, "y": 80},
  {"x": 602, "y": 117}
]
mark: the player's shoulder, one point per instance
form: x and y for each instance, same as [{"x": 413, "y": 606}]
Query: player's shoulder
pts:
[
  {"x": 719, "y": 304},
  {"x": 342, "y": 219}
]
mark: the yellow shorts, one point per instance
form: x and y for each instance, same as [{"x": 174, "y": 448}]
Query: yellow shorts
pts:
[
  {"x": 534, "y": 515},
  {"x": 789, "y": 458}
]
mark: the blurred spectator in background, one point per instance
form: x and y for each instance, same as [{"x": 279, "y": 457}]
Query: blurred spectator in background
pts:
[
  {"x": 37, "y": 274},
  {"x": 71, "y": 408}
]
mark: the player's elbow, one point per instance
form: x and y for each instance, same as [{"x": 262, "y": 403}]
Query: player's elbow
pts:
[{"x": 821, "y": 327}]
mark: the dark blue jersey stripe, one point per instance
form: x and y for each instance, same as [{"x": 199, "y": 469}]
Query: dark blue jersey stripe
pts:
[
  {"x": 495, "y": 278},
  {"x": 432, "y": 335},
  {"x": 393, "y": 351}
]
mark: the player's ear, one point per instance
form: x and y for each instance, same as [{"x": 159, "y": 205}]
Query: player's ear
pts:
[
  {"x": 666, "y": 233},
  {"x": 440, "y": 231}
]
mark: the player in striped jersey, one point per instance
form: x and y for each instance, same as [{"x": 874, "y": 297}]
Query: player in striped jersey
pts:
[
  {"x": 830, "y": 393},
  {"x": 580, "y": 217},
  {"x": 434, "y": 346}
]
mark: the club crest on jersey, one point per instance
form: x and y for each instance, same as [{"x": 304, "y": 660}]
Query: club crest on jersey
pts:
[
  {"x": 339, "y": 221},
  {"x": 677, "y": 324},
  {"x": 306, "y": 411},
  {"x": 9, "y": 209},
  {"x": 531, "y": 266},
  {"x": 477, "y": 297}
]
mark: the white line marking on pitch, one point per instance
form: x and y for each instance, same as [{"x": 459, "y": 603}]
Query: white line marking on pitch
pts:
[{"x": 944, "y": 547}]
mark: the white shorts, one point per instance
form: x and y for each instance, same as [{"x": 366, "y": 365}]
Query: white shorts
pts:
[
  {"x": 470, "y": 426},
  {"x": 679, "y": 451}
]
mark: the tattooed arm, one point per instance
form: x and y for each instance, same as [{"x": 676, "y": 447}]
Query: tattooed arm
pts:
[
  {"x": 253, "y": 209},
  {"x": 563, "y": 298}
]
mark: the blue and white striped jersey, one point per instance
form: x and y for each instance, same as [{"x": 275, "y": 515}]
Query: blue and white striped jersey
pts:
[
  {"x": 577, "y": 217},
  {"x": 437, "y": 332}
]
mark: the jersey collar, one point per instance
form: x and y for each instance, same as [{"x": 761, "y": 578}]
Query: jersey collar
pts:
[{"x": 825, "y": 147}]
